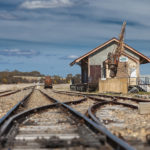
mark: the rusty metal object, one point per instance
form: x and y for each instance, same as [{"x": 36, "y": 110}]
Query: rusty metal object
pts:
[
  {"x": 48, "y": 82},
  {"x": 113, "y": 58}
]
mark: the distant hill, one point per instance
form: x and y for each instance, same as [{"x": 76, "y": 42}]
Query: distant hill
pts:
[
  {"x": 10, "y": 77},
  {"x": 16, "y": 76},
  {"x": 33, "y": 73},
  {"x": 31, "y": 78}
]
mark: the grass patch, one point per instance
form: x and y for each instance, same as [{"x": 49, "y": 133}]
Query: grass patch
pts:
[{"x": 143, "y": 93}]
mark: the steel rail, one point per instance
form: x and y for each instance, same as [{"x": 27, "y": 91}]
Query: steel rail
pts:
[
  {"x": 8, "y": 124},
  {"x": 12, "y": 110},
  {"x": 93, "y": 109},
  {"x": 111, "y": 139},
  {"x": 70, "y": 102},
  {"x": 97, "y": 99},
  {"x": 76, "y": 101},
  {"x": 91, "y": 97},
  {"x": 1, "y": 92},
  {"x": 13, "y": 92},
  {"x": 69, "y": 93},
  {"x": 10, "y": 93},
  {"x": 114, "y": 141},
  {"x": 5, "y": 128},
  {"x": 103, "y": 95}
]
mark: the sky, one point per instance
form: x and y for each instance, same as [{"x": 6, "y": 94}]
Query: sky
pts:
[{"x": 46, "y": 35}]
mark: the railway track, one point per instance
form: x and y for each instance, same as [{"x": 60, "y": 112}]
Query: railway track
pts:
[
  {"x": 123, "y": 120},
  {"x": 31, "y": 98},
  {"x": 10, "y": 92},
  {"x": 1, "y": 92},
  {"x": 56, "y": 125},
  {"x": 81, "y": 107},
  {"x": 103, "y": 96},
  {"x": 120, "y": 115},
  {"x": 12, "y": 101},
  {"x": 7, "y": 93}
]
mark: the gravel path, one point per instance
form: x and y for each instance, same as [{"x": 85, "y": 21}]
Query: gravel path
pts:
[
  {"x": 54, "y": 129},
  {"x": 37, "y": 99},
  {"x": 61, "y": 87},
  {"x": 125, "y": 122},
  {"x": 61, "y": 97},
  {"x": 6, "y": 103},
  {"x": 82, "y": 107},
  {"x": 4, "y": 87}
]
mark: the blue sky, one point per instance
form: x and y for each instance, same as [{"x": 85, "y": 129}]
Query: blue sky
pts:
[{"x": 46, "y": 35}]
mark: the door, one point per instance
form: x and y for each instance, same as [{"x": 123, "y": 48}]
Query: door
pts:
[{"x": 95, "y": 73}]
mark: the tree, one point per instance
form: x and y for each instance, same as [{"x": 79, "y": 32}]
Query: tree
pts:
[
  {"x": 69, "y": 78},
  {"x": 4, "y": 80}
]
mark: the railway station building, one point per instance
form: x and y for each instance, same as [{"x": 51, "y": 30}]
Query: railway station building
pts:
[{"x": 94, "y": 64}]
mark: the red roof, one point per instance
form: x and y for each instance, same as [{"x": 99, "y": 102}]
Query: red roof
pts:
[{"x": 143, "y": 59}]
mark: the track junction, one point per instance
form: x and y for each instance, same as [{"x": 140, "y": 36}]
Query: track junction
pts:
[{"x": 48, "y": 119}]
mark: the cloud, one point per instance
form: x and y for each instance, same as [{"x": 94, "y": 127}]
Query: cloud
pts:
[
  {"x": 6, "y": 15},
  {"x": 70, "y": 57},
  {"x": 35, "y": 4},
  {"x": 85, "y": 22},
  {"x": 60, "y": 28},
  {"x": 11, "y": 63},
  {"x": 18, "y": 52},
  {"x": 51, "y": 55}
]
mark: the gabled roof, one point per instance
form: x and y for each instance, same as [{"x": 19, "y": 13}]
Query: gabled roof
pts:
[{"x": 143, "y": 59}]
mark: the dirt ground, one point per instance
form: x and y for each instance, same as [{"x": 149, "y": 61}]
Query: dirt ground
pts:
[
  {"x": 4, "y": 87},
  {"x": 61, "y": 87}
]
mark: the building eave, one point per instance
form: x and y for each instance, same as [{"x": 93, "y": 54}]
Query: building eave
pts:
[{"x": 143, "y": 59}]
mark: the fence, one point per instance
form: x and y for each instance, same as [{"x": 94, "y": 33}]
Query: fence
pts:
[
  {"x": 139, "y": 81},
  {"x": 142, "y": 82}
]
